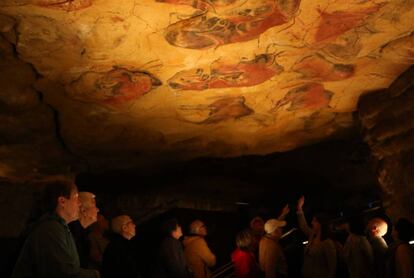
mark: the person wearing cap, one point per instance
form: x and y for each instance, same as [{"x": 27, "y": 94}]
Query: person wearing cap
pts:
[
  {"x": 88, "y": 214},
  {"x": 120, "y": 257},
  {"x": 199, "y": 257},
  {"x": 271, "y": 258}
]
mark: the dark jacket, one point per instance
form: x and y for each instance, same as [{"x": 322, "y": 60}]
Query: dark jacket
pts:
[
  {"x": 171, "y": 260},
  {"x": 50, "y": 251},
  {"x": 80, "y": 235},
  {"x": 120, "y": 259}
]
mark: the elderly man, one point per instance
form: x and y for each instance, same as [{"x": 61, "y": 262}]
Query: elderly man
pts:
[
  {"x": 377, "y": 228},
  {"x": 120, "y": 257},
  {"x": 50, "y": 250},
  {"x": 271, "y": 258},
  {"x": 88, "y": 214},
  {"x": 198, "y": 255}
]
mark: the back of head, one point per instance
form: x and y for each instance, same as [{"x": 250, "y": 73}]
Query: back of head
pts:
[
  {"x": 244, "y": 240},
  {"x": 117, "y": 223},
  {"x": 405, "y": 229},
  {"x": 55, "y": 189},
  {"x": 169, "y": 226},
  {"x": 356, "y": 224}
]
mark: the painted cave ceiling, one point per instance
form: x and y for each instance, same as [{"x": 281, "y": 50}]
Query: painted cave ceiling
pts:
[{"x": 116, "y": 84}]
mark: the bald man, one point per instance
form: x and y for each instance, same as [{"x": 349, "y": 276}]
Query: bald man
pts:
[
  {"x": 120, "y": 257},
  {"x": 196, "y": 251},
  {"x": 377, "y": 228},
  {"x": 88, "y": 214}
]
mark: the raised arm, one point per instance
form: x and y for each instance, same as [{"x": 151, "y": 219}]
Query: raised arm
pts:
[
  {"x": 285, "y": 211},
  {"x": 301, "y": 218}
]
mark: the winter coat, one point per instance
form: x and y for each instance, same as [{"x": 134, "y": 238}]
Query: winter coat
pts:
[
  {"x": 271, "y": 258},
  {"x": 198, "y": 256}
]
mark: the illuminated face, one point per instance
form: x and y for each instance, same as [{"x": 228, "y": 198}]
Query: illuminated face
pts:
[
  {"x": 177, "y": 233},
  {"x": 91, "y": 211},
  {"x": 70, "y": 206},
  {"x": 202, "y": 230},
  {"x": 129, "y": 228}
]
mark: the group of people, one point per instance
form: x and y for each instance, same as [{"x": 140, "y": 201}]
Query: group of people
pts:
[
  {"x": 363, "y": 254},
  {"x": 69, "y": 241}
]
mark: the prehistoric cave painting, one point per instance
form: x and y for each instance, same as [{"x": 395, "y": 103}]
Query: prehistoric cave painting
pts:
[
  {"x": 204, "y": 5},
  {"x": 243, "y": 24},
  {"x": 115, "y": 88},
  {"x": 345, "y": 47},
  {"x": 223, "y": 109},
  {"x": 318, "y": 68},
  {"x": 400, "y": 50},
  {"x": 228, "y": 75},
  {"x": 67, "y": 5},
  {"x": 310, "y": 96},
  {"x": 333, "y": 24}
]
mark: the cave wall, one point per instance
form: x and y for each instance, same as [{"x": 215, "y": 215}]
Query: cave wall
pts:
[
  {"x": 30, "y": 141},
  {"x": 387, "y": 123}
]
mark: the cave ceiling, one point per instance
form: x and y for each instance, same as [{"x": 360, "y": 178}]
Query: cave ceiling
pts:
[{"x": 118, "y": 84}]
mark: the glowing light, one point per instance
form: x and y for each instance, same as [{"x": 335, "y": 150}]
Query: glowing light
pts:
[
  {"x": 305, "y": 242},
  {"x": 411, "y": 242}
]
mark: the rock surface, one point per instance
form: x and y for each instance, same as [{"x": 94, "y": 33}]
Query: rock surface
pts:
[
  {"x": 387, "y": 120},
  {"x": 106, "y": 85}
]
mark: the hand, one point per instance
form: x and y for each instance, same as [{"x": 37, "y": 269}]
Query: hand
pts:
[
  {"x": 301, "y": 201},
  {"x": 285, "y": 210}
]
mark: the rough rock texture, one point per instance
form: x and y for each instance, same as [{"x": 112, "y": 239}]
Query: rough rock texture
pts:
[
  {"x": 387, "y": 120},
  {"x": 133, "y": 84},
  {"x": 29, "y": 135}
]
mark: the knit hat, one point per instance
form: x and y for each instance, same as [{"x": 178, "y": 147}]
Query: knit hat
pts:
[{"x": 272, "y": 224}]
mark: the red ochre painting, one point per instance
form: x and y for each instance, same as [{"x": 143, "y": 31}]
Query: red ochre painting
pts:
[
  {"x": 211, "y": 30},
  {"x": 115, "y": 88},
  {"x": 310, "y": 96},
  {"x": 318, "y": 68},
  {"x": 201, "y": 4},
  {"x": 333, "y": 24},
  {"x": 67, "y": 5},
  {"x": 223, "y": 109},
  {"x": 227, "y": 75}
]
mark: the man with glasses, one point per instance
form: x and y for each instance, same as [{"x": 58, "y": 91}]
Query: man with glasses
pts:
[
  {"x": 120, "y": 256},
  {"x": 196, "y": 251}
]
